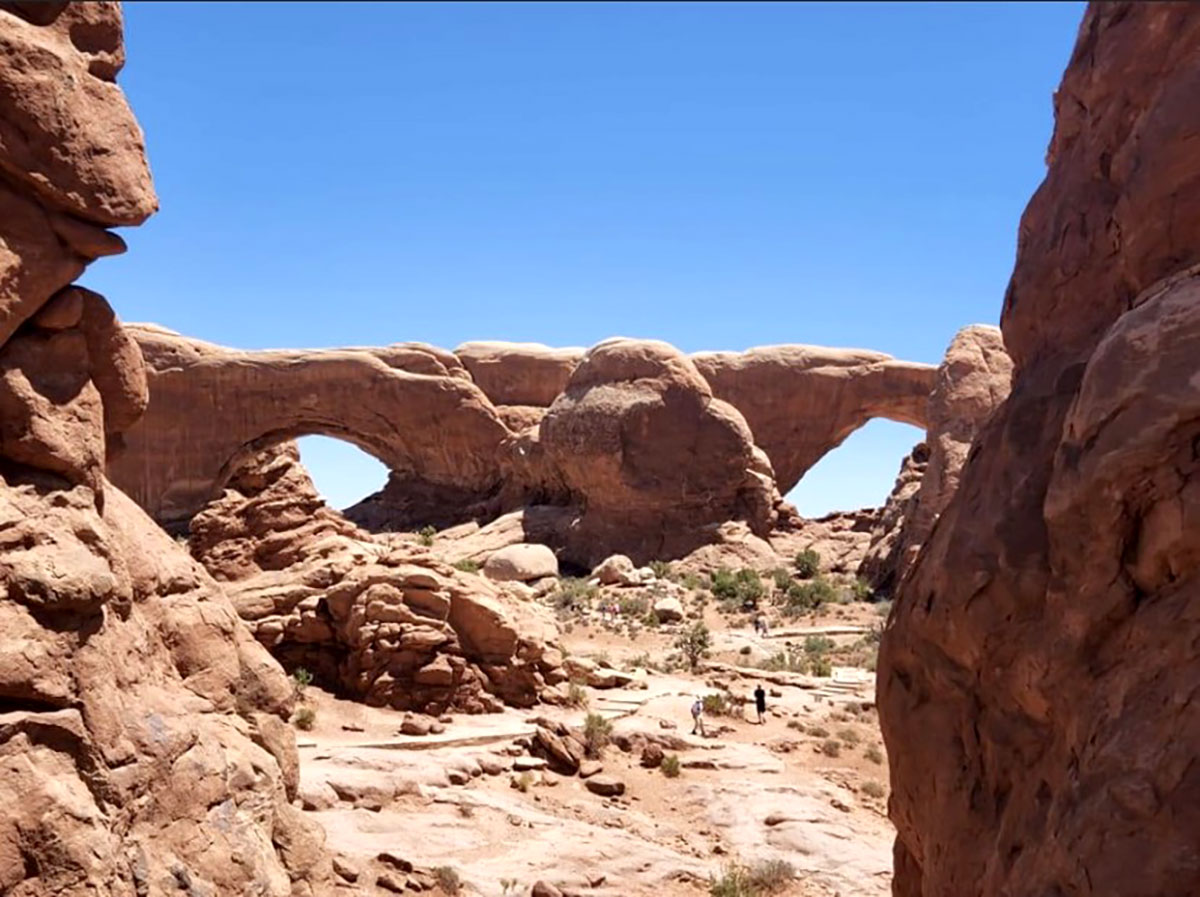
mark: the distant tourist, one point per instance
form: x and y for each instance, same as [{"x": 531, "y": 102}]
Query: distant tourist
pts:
[
  {"x": 760, "y": 703},
  {"x": 698, "y": 716}
]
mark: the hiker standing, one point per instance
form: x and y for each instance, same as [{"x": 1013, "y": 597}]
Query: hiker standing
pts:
[
  {"x": 760, "y": 703},
  {"x": 698, "y": 716}
]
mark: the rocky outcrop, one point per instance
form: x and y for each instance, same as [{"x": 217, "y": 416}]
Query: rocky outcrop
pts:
[
  {"x": 1036, "y": 678},
  {"x": 803, "y": 401},
  {"x": 884, "y": 562},
  {"x": 143, "y": 733},
  {"x": 388, "y": 625},
  {"x": 972, "y": 380},
  {"x": 650, "y": 456},
  {"x": 522, "y": 374}
]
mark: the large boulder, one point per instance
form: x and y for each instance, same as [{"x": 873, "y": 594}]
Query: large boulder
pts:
[
  {"x": 1038, "y": 674},
  {"x": 651, "y": 456},
  {"x": 143, "y": 733},
  {"x": 521, "y": 563},
  {"x": 522, "y": 374}
]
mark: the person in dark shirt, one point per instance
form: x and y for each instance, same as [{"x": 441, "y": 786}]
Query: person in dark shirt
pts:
[{"x": 760, "y": 703}]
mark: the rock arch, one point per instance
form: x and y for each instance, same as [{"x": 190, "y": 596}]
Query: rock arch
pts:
[{"x": 412, "y": 407}]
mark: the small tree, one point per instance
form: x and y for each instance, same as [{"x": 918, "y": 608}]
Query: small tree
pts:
[
  {"x": 694, "y": 643},
  {"x": 808, "y": 563},
  {"x": 425, "y": 534},
  {"x": 596, "y": 732}
]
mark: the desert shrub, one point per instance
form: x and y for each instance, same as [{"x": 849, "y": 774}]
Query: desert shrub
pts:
[
  {"x": 301, "y": 679},
  {"x": 661, "y": 569},
  {"x": 670, "y": 766},
  {"x": 633, "y": 605},
  {"x": 577, "y": 695},
  {"x": 795, "y": 724},
  {"x": 466, "y": 811},
  {"x": 734, "y": 882},
  {"x": 808, "y": 563},
  {"x": 818, "y": 731},
  {"x": 770, "y": 876},
  {"x": 601, "y": 658},
  {"x": 447, "y": 879},
  {"x": 642, "y": 661},
  {"x": 467, "y": 565},
  {"x": 304, "y": 718},
  {"x": 821, "y": 666},
  {"x": 722, "y": 703},
  {"x": 509, "y": 886},
  {"x": 850, "y": 736},
  {"x": 791, "y": 661},
  {"x": 692, "y": 581},
  {"x": 745, "y": 649},
  {"x": 650, "y": 620},
  {"x": 425, "y": 534},
  {"x": 818, "y": 645},
  {"x": 743, "y": 587},
  {"x": 873, "y": 789},
  {"x": 596, "y": 733},
  {"x": 802, "y": 597},
  {"x": 782, "y": 577},
  {"x": 524, "y": 781},
  {"x": 874, "y": 754},
  {"x": 861, "y": 589},
  {"x": 831, "y": 748},
  {"x": 693, "y": 643},
  {"x": 573, "y": 593}
]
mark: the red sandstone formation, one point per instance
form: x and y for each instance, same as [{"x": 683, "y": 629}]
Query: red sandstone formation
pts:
[
  {"x": 143, "y": 734},
  {"x": 388, "y": 626},
  {"x": 1036, "y": 679},
  {"x": 803, "y": 401},
  {"x": 651, "y": 457}
]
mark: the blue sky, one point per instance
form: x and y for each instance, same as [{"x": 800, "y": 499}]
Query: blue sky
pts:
[{"x": 716, "y": 175}]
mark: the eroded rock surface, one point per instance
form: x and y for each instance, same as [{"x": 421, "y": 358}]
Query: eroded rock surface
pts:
[
  {"x": 803, "y": 401},
  {"x": 651, "y": 456},
  {"x": 1037, "y": 675},
  {"x": 143, "y": 733},
  {"x": 389, "y": 625}
]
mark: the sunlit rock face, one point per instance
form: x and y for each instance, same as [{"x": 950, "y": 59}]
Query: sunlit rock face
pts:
[
  {"x": 144, "y": 747},
  {"x": 1036, "y": 679}
]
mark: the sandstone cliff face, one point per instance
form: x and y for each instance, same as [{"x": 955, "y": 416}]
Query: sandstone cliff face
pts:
[
  {"x": 884, "y": 562},
  {"x": 1036, "y": 677},
  {"x": 390, "y": 626},
  {"x": 651, "y": 456},
  {"x": 143, "y": 733},
  {"x": 803, "y": 401}
]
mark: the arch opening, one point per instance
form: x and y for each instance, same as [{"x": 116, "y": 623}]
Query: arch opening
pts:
[
  {"x": 342, "y": 472},
  {"x": 858, "y": 473}
]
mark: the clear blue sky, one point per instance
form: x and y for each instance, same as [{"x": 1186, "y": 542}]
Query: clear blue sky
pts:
[{"x": 716, "y": 175}]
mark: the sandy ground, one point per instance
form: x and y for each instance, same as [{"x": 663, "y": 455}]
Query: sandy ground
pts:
[{"x": 807, "y": 786}]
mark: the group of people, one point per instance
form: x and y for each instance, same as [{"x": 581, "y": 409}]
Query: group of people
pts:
[
  {"x": 760, "y": 705},
  {"x": 609, "y": 612}
]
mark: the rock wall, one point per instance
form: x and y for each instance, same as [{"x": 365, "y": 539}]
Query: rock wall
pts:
[
  {"x": 388, "y": 625},
  {"x": 1036, "y": 679},
  {"x": 144, "y": 741}
]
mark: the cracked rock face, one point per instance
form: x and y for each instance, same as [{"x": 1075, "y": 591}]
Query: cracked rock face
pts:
[
  {"x": 144, "y": 747},
  {"x": 1036, "y": 679}
]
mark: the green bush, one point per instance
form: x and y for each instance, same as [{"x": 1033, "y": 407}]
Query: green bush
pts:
[
  {"x": 769, "y": 876},
  {"x": 850, "y": 736},
  {"x": 808, "y": 563},
  {"x": 862, "y": 590},
  {"x": 821, "y": 666},
  {"x": 802, "y": 597},
  {"x": 759, "y": 880},
  {"x": 301, "y": 679},
  {"x": 304, "y": 718},
  {"x": 818, "y": 644},
  {"x": 737, "y": 589},
  {"x": 721, "y": 703},
  {"x": 467, "y": 565},
  {"x": 633, "y": 606},
  {"x": 596, "y": 733},
  {"x": 426, "y": 534},
  {"x": 874, "y": 754},
  {"x": 873, "y": 789},
  {"x": 782, "y": 577},
  {"x": 447, "y": 879},
  {"x": 523, "y": 782},
  {"x": 691, "y": 581},
  {"x": 831, "y": 748},
  {"x": 670, "y": 766},
  {"x": 577, "y": 695},
  {"x": 661, "y": 569},
  {"x": 818, "y": 731},
  {"x": 694, "y": 643},
  {"x": 573, "y": 594}
]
